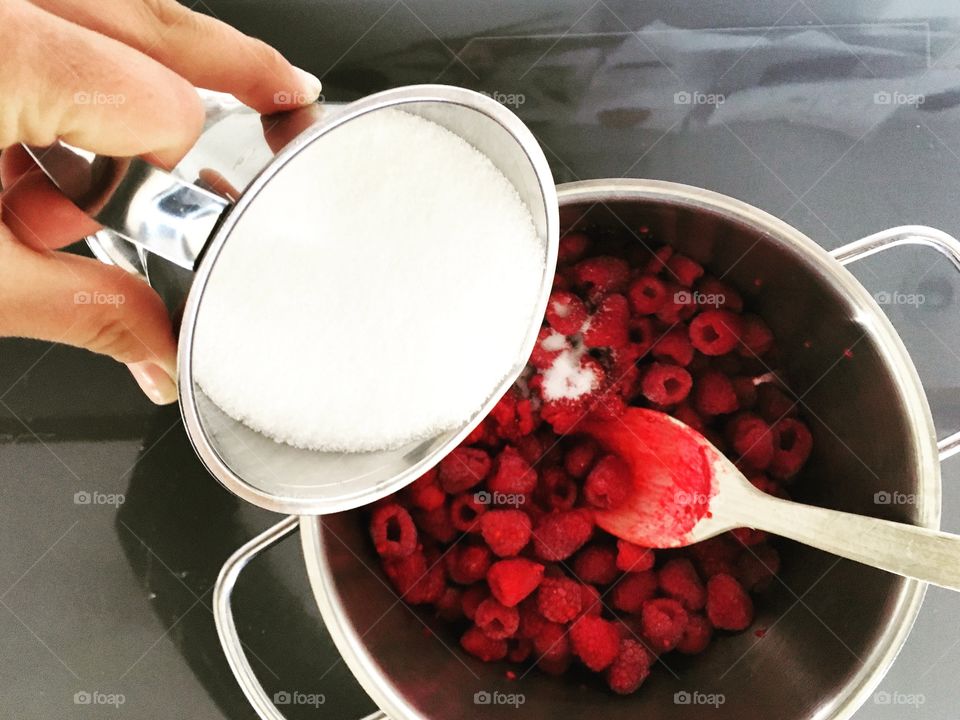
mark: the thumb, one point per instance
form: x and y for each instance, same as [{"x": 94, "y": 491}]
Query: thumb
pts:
[{"x": 79, "y": 301}]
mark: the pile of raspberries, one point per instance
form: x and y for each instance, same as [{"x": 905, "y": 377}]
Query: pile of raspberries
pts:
[{"x": 499, "y": 541}]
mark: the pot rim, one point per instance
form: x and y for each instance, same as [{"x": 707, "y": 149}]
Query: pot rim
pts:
[{"x": 911, "y": 592}]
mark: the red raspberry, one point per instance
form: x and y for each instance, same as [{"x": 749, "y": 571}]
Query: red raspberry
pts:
[
  {"x": 478, "y": 644},
  {"x": 436, "y": 524},
  {"x": 559, "y": 535},
  {"x": 520, "y": 650},
  {"x": 666, "y": 384},
  {"x": 630, "y": 669},
  {"x": 558, "y": 491},
  {"x": 746, "y": 391},
  {"x": 463, "y": 468},
  {"x": 548, "y": 347},
  {"x": 467, "y": 563},
  {"x": 425, "y": 492},
  {"x": 601, "y": 275},
  {"x": 596, "y": 564},
  {"x": 633, "y": 558},
  {"x": 505, "y": 531},
  {"x": 719, "y": 295},
  {"x": 644, "y": 333},
  {"x": 531, "y": 621},
  {"x": 715, "y": 332},
  {"x": 595, "y": 641},
  {"x": 573, "y": 246},
  {"x": 566, "y": 312},
  {"x": 512, "y": 580},
  {"x": 495, "y": 620},
  {"x": 688, "y": 416},
  {"x": 393, "y": 532},
  {"x": 752, "y": 440},
  {"x": 465, "y": 512},
  {"x": 415, "y": 578},
  {"x": 449, "y": 605},
  {"x": 716, "y": 555},
  {"x": 664, "y": 620},
  {"x": 609, "y": 483},
  {"x": 679, "y": 306},
  {"x": 757, "y": 567},
  {"x": 512, "y": 475},
  {"x": 558, "y": 599},
  {"x": 755, "y": 336},
  {"x": 773, "y": 404},
  {"x": 471, "y": 598},
  {"x": 714, "y": 394},
  {"x": 696, "y": 635},
  {"x": 748, "y": 537},
  {"x": 792, "y": 448},
  {"x": 590, "y": 601},
  {"x": 728, "y": 605},
  {"x": 674, "y": 347},
  {"x": 532, "y": 448},
  {"x": 659, "y": 260},
  {"x": 647, "y": 294},
  {"x": 580, "y": 457},
  {"x": 609, "y": 326},
  {"x": 513, "y": 417},
  {"x": 679, "y": 580},
  {"x": 552, "y": 642},
  {"x": 633, "y": 590},
  {"x": 684, "y": 270}
]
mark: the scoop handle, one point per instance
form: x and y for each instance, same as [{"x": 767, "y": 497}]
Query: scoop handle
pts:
[{"x": 915, "y": 552}]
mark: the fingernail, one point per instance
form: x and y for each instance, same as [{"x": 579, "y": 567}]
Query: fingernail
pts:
[
  {"x": 154, "y": 381},
  {"x": 311, "y": 85}
]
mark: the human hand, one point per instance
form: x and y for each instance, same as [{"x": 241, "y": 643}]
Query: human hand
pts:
[{"x": 114, "y": 77}]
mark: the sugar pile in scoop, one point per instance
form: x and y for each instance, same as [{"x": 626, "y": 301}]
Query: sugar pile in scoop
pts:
[{"x": 375, "y": 293}]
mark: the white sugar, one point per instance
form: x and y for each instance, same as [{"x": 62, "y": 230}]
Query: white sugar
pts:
[
  {"x": 567, "y": 377},
  {"x": 376, "y": 292}
]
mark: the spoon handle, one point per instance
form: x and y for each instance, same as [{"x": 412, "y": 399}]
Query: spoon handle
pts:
[{"x": 915, "y": 552}]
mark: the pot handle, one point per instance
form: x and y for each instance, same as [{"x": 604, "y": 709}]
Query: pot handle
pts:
[
  {"x": 945, "y": 244},
  {"x": 139, "y": 202},
  {"x": 227, "y": 628}
]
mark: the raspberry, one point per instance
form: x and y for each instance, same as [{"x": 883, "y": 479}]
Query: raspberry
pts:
[
  {"x": 630, "y": 669},
  {"x": 559, "y": 535},
  {"x": 531, "y": 621},
  {"x": 752, "y": 440},
  {"x": 596, "y": 564},
  {"x": 792, "y": 448},
  {"x": 558, "y": 599},
  {"x": 748, "y": 537},
  {"x": 601, "y": 275},
  {"x": 714, "y": 394},
  {"x": 659, "y": 260},
  {"x": 566, "y": 312},
  {"x": 471, "y": 598},
  {"x": 664, "y": 620},
  {"x": 465, "y": 512},
  {"x": 757, "y": 567},
  {"x": 573, "y": 246},
  {"x": 506, "y": 532},
  {"x": 688, "y": 416},
  {"x": 647, "y": 294},
  {"x": 679, "y": 580},
  {"x": 773, "y": 404},
  {"x": 449, "y": 605},
  {"x": 755, "y": 336},
  {"x": 512, "y": 475},
  {"x": 716, "y": 555},
  {"x": 674, "y": 347},
  {"x": 558, "y": 490},
  {"x": 552, "y": 642},
  {"x": 633, "y": 558},
  {"x": 679, "y": 305},
  {"x": 475, "y": 642},
  {"x": 643, "y": 333},
  {"x": 633, "y": 590},
  {"x": 463, "y": 468},
  {"x": 520, "y": 650},
  {"x": 684, "y": 270},
  {"x": 728, "y": 605},
  {"x": 696, "y": 635},
  {"x": 513, "y": 417},
  {"x": 666, "y": 384},
  {"x": 595, "y": 641},
  {"x": 393, "y": 532},
  {"x": 425, "y": 492},
  {"x": 590, "y": 601},
  {"x": 415, "y": 579},
  {"x": 467, "y": 563},
  {"x": 746, "y": 391},
  {"x": 495, "y": 620},
  {"x": 719, "y": 294},
  {"x": 512, "y": 580},
  {"x": 609, "y": 483},
  {"x": 548, "y": 347},
  {"x": 580, "y": 457},
  {"x": 436, "y": 524},
  {"x": 609, "y": 326},
  {"x": 715, "y": 332}
]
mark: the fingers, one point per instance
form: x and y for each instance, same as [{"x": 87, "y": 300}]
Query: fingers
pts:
[
  {"x": 63, "y": 80},
  {"x": 79, "y": 301},
  {"x": 204, "y": 50}
]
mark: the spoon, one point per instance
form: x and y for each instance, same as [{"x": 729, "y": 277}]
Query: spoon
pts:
[{"x": 685, "y": 490}]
